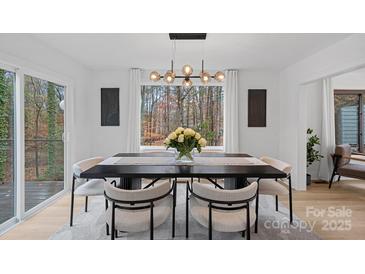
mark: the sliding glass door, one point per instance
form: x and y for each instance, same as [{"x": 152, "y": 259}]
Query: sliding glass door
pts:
[
  {"x": 7, "y": 146},
  {"x": 44, "y": 147}
]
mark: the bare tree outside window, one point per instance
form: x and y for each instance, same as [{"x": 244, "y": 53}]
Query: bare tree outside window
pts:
[{"x": 164, "y": 108}]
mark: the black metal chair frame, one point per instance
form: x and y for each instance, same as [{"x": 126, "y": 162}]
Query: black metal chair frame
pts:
[
  {"x": 73, "y": 198},
  {"x": 117, "y": 204},
  {"x": 276, "y": 201},
  {"x": 211, "y": 205},
  {"x": 336, "y": 159}
]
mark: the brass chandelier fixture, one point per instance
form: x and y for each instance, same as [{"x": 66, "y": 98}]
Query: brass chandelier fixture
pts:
[{"x": 187, "y": 70}]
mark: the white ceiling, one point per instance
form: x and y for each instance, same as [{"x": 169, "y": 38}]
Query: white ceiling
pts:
[{"x": 222, "y": 51}]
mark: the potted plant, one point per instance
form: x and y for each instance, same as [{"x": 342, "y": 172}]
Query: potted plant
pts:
[
  {"x": 313, "y": 155},
  {"x": 184, "y": 140}
]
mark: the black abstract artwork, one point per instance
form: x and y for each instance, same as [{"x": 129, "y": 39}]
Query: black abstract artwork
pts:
[
  {"x": 257, "y": 108},
  {"x": 110, "y": 107}
]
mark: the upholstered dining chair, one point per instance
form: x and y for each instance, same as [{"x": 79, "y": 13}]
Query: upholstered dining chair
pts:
[
  {"x": 92, "y": 187},
  {"x": 139, "y": 210},
  {"x": 221, "y": 210},
  {"x": 276, "y": 187}
]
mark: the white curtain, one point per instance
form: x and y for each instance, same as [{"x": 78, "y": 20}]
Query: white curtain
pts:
[
  {"x": 328, "y": 130},
  {"x": 134, "y": 104},
  {"x": 231, "y": 114}
]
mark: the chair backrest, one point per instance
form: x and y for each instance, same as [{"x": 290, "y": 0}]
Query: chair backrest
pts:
[
  {"x": 345, "y": 152},
  {"x": 225, "y": 196},
  {"x": 280, "y": 165},
  {"x": 127, "y": 196},
  {"x": 83, "y": 165}
]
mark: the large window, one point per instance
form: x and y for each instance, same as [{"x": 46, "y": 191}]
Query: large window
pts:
[
  {"x": 44, "y": 149},
  {"x": 7, "y": 145},
  {"x": 32, "y": 132},
  {"x": 164, "y": 108},
  {"x": 349, "y": 118}
]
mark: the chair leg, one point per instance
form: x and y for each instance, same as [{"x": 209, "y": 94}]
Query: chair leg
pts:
[
  {"x": 210, "y": 221},
  {"x": 339, "y": 178},
  {"x": 112, "y": 234},
  {"x": 86, "y": 200},
  {"x": 243, "y": 234},
  {"x": 290, "y": 201},
  {"x": 151, "y": 222},
  {"x": 187, "y": 210},
  {"x": 106, "y": 224},
  {"x": 174, "y": 209},
  {"x": 72, "y": 200},
  {"x": 257, "y": 209},
  {"x": 276, "y": 203},
  {"x": 248, "y": 224},
  {"x": 332, "y": 177}
]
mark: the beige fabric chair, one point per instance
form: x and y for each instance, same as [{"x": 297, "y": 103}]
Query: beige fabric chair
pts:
[
  {"x": 276, "y": 187},
  {"x": 138, "y": 210},
  {"x": 221, "y": 210},
  {"x": 92, "y": 187},
  {"x": 343, "y": 167}
]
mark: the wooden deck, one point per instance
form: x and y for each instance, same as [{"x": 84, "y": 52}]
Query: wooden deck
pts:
[{"x": 35, "y": 193}]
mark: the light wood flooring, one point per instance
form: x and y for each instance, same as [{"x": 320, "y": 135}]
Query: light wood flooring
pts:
[{"x": 348, "y": 194}]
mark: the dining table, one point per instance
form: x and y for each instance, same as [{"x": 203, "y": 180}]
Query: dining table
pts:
[{"x": 234, "y": 168}]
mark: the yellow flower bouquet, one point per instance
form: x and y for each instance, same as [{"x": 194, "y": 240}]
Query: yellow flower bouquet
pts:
[{"x": 184, "y": 140}]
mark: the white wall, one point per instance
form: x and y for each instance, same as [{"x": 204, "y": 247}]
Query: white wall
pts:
[
  {"x": 30, "y": 54},
  {"x": 351, "y": 80},
  {"x": 343, "y": 56},
  {"x": 265, "y": 140},
  {"x": 313, "y": 104},
  {"x": 106, "y": 141}
]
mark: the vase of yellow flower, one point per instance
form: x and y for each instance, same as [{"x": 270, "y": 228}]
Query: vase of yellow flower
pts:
[{"x": 184, "y": 140}]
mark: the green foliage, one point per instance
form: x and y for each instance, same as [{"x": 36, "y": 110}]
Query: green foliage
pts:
[
  {"x": 51, "y": 121},
  {"x": 203, "y": 128},
  {"x": 313, "y": 155},
  {"x": 4, "y": 123}
]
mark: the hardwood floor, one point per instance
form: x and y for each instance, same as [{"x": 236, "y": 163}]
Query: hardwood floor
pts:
[
  {"x": 45, "y": 223},
  {"x": 348, "y": 194},
  {"x": 325, "y": 207}
]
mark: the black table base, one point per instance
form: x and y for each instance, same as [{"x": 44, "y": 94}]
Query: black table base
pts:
[
  {"x": 136, "y": 183},
  {"x": 130, "y": 183}
]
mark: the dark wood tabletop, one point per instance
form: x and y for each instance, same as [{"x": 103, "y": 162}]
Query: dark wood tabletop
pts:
[{"x": 182, "y": 171}]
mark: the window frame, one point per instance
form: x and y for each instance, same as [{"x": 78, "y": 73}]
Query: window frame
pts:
[
  {"x": 13, "y": 220},
  {"x": 21, "y": 69},
  {"x": 360, "y": 93}
]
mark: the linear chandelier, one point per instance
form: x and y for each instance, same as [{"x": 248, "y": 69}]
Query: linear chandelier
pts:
[{"x": 187, "y": 71}]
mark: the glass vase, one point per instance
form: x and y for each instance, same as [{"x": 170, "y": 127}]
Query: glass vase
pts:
[{"x": 185, "y": 157}]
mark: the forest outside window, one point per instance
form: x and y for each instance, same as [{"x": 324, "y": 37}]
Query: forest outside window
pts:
[
  {"x": 165, "y": 107},
  {"x": 349, "y": 118}
]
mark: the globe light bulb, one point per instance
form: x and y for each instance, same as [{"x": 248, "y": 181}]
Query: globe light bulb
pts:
[
  {"x": 155, "y": 76},
  {"x": 62, "y": 105},
  {"x": 204, "y": 77},
  {"x": 187, "y": 70},
  {"x": 187, "y": 83},
  {"x": 219, "y": 76},
  {"x": 169, "y": 77}
]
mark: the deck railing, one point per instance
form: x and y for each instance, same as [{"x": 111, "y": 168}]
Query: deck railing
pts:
[{"x": 42, "y": 163}]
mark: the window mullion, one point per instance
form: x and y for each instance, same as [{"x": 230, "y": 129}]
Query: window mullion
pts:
[{"x": 19, "y": 133}]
